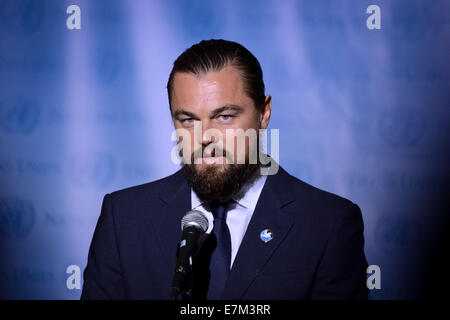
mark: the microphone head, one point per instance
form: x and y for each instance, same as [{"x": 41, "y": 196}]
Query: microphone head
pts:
[{"x": 195, "y": 218}]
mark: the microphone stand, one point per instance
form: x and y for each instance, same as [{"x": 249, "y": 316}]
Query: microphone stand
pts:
[{"x": 182, "y": 283}]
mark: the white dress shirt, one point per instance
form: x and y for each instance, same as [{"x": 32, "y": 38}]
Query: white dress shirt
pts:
[{"x": 239, "y": 215}]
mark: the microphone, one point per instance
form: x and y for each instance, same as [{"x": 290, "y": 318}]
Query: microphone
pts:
[{"x": 194, "y": 224}]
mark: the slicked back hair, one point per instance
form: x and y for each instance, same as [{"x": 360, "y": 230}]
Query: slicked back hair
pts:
[{"x": 214, "y": 55}]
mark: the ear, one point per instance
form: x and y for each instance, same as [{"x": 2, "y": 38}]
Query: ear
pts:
[{"x": 265, "y": 112}]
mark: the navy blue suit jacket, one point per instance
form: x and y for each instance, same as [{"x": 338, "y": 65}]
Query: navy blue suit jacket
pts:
[{"x": 317, "y": 250}]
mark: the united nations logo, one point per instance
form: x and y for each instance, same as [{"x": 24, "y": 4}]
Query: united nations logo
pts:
[
  {"x": 18, "y": 116},
  {"x": 16, "y": 217}
]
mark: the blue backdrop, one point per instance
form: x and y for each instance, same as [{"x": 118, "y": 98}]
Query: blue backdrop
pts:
[{"x": 362, "y": 113}]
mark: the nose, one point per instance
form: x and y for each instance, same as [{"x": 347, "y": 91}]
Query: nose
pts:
[{"x": 206, "y": 137}]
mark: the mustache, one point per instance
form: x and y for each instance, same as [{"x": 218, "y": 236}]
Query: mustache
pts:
[{"x": 200, "y": 153}]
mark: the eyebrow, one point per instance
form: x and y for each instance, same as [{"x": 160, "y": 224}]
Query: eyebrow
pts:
[
  {"x": 213, "y": 113},
  {"x": 178, "y": 113},
  {"x": 227, "y": 107}
]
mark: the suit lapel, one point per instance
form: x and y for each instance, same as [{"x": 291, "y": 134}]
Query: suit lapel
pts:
[
  {"x": 175, "y": 200},
  {"x": 253, "y": 252}
]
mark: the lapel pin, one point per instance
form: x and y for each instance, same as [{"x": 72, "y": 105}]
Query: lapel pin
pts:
[{"x": 266, "y": 235}]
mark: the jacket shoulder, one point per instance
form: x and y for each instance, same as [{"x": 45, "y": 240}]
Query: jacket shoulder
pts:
[
  {"x": 316, "y": 198},
  {"x": 149, "y": 189}
]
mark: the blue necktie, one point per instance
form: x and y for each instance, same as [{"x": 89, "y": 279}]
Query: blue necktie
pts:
[{"x": 221, "y": 256}]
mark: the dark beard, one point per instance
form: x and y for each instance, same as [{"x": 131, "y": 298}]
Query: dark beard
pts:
[{"x": 212, "y": 186}]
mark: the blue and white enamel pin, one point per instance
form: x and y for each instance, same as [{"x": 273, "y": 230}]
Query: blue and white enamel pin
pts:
[{"x": 266, "y": 235}]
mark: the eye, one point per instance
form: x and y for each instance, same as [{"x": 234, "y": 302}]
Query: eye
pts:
[
  {"x": 225, "y": 117},
  {"x": 187, "y": 120}
]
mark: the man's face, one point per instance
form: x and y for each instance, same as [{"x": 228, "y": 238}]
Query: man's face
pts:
[{"x": 219, "y": 101}]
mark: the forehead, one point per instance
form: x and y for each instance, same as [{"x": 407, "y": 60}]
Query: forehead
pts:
[{"x": 209, "y": 90}]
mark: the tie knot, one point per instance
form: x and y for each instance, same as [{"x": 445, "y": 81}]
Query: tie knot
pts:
[{"x": 219, "y": 211}]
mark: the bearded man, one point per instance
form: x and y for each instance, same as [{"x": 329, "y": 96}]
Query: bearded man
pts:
[{"x": 279, "y": 237}]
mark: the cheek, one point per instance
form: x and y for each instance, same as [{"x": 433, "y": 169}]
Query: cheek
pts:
[
  {"x": 242, "y": 148},
  {"x": 243, "y": 144},
  {"x": 186, "y": 143}
]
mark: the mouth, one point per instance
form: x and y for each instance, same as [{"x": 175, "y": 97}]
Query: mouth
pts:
[
  {"x": 210, "y": 158},
  {"x": 213, "y": 160}
]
